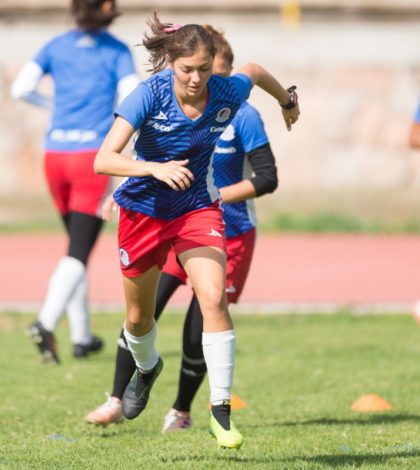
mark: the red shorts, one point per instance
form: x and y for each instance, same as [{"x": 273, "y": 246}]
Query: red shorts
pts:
[
  {"x": 145, "y": 241},
  {"x": 73, "y": 184},
  {"x": 239, "y": 256}
]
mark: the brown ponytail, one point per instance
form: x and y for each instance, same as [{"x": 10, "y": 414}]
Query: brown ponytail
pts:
[
  {"x": 168, "y": 42},
  {"x": 222, "y": 46},
  {"x": 91, "y": 15}
]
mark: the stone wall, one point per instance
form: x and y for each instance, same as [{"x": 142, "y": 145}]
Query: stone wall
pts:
[{"x": 358, "y": 83}]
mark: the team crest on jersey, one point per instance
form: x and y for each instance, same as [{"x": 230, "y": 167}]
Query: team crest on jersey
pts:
[
  {"x": 125, "y": 259},
  {"x": 223, "y": 115}
]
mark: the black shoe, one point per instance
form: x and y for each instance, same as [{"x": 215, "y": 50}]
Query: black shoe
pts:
[
  {"x": 83, "y": 350},
  {"x": 137, "y": 392},
  {"x": 45, "y": 342}
]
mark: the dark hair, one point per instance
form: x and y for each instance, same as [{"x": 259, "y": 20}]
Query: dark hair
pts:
[
  {"x": 181, "y": 41},
  {"x": 222, "y": 46},
  {"x": 90, "y": 15}
]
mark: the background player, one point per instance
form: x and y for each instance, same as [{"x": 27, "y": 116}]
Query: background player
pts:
[
  {"x": 90, "y": 69},
  {"x": 180, "y": 113},
  {"x": 241, "y": 150}
]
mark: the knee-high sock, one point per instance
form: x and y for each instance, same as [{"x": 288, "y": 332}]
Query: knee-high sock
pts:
[
  {"x": 124, "y": 367},
  {"x": 61, "y": 287},
  {"x": 78, "y": 313},
  {"x": 219, "y": 353},
  {"x": 143, "y": 348}
]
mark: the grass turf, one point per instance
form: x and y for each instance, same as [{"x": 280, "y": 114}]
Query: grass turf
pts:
[{"x": 298, "y": 374}]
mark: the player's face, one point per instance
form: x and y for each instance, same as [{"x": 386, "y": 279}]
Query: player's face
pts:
[
  {"x": 221, "y": 66},
  {"x": 191, "y": 74}
]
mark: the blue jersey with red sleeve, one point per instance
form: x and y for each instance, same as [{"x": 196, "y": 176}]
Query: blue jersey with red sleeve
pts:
[
  {"x": 244, "y": 134},
  {"x": 85, "y": 68},
  {"x": 166, "y": 133}
]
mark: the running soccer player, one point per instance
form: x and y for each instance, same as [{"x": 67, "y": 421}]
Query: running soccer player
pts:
[
  {"x": 170, "y": 199},
  {"x": 415, "y": 130},
  {"x": 241, "y": 150},
  {"x": 90, "y": 69}
]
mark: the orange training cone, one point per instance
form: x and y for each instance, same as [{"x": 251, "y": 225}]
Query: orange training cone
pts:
[
  {"x": 371, "y": 403},
  {"x": 235, "y": 403}
]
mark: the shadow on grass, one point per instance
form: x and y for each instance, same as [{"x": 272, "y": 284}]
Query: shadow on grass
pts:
[
  {"x": 325, "y": 460},
  {"x": 356, "y": 460},
  {"x": 365, "y": 421}
]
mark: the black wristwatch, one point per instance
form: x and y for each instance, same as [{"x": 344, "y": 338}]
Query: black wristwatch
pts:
[{"x": 293, "y": 98}]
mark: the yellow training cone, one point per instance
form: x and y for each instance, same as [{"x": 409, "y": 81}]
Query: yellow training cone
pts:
[{"x": 371, "y": 403}]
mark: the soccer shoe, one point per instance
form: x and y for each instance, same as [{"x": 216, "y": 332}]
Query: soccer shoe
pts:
[
  {"x": 83, "y": 350},
  {"x": 137, "y": 392},
  {"x": 108, "y": 413},
  {"x": 45, "y": 342},
  {"x": 176, "y": 420},
  {"x": 226, "y": 438}
]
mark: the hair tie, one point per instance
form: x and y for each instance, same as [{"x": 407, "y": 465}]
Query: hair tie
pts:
[{"x": 173, "y": 28}]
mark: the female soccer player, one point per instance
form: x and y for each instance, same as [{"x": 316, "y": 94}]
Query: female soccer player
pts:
[
  {"x": 170, "y": 199},
  {"x": 242, "y": 149},
  {"x": 90, "y": 68}
]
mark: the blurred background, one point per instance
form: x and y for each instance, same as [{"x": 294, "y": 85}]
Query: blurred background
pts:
[{"x": 345, "y": 166}]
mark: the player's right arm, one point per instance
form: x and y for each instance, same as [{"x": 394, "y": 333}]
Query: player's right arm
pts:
[
  {"x": 110, "y": 161},
  {"x": 25, "y": 86}
]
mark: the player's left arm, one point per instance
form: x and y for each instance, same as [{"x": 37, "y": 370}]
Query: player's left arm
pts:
[
  {"x": 263, "y": 181},
  {"x": 286, "y": 98},
  {"x": 250, "y": 130},
  {"x": 126, "y": 75}
]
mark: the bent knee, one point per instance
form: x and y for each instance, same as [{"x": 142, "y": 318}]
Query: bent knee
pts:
[{"x": 213, "y": 298}]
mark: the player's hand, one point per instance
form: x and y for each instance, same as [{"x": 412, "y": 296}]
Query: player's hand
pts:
[
  {"x": 290, "y": 116},
  {"x": 174, "y": 173},
  {"x": 108, "y": 207}
]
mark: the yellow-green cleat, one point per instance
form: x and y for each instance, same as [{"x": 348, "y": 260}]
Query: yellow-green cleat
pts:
[{"x": 231, "y": 439}]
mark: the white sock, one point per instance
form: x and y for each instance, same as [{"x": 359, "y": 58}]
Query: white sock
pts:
[
  {"x": 78, "y": 313},
  {"x": 143, "y": 348},
  {"x": 219, "y": 353},
  {"x": 61, "y": 286}
]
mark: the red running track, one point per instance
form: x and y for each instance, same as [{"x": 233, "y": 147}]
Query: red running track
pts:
[{"x": 289, "y": 271}]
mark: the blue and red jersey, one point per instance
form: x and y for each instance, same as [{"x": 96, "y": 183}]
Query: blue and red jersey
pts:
[
  {"x": 86, "y": 68},
  {"x": 166, "y": 133}
]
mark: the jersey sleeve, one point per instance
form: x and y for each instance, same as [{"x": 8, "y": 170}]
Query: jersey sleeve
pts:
[
  {"x": 125, "y": 64},
  {"x": 243, "y": 85},
  {"x": 42, "y": 58},
  {"x": 250, "y": 129},
  {"x": 136, "y": 107}
]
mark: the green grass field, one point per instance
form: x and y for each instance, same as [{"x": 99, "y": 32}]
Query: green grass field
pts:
[{"x": 298, "y": 374}]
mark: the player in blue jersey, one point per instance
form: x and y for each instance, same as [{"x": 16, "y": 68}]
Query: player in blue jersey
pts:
[
  {"x": 415, "y": 130},
  {"x": 244, "y": 168},
  {"x": 90, "y": 69},
  {"x": 170, "y": 200}
]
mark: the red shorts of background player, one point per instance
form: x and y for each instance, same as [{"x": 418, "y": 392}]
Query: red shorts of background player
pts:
[
  {"x": 145, "y": 241},
  {"x": 239, "y": 251},
  {"x": 73, "y": 184},
  {"x": 239, "y": 256}
]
